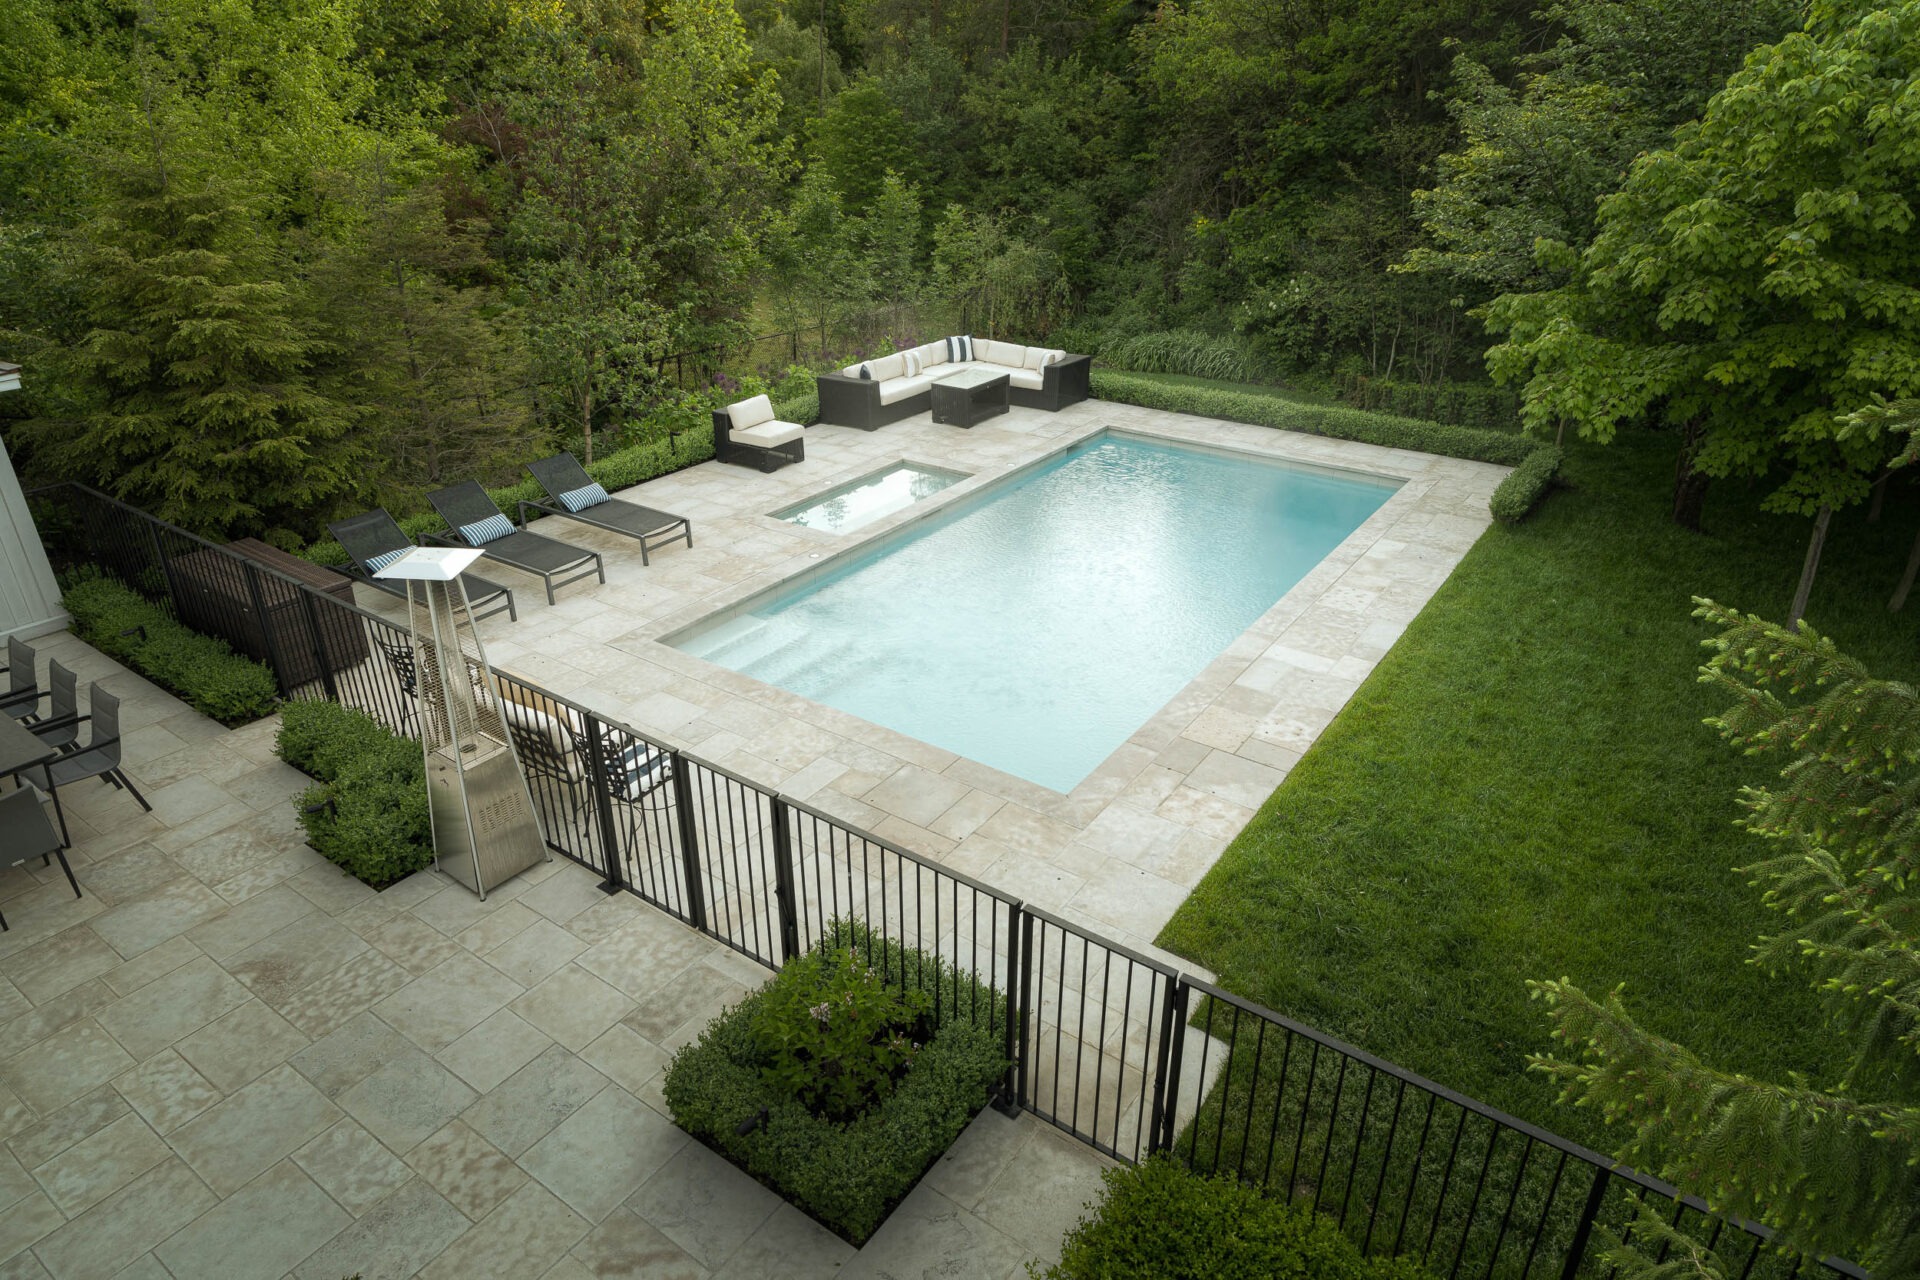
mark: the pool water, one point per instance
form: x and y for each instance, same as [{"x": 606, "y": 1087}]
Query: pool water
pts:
[
  {"x": 1039, "y": 624},
  {"x": 860, "y": 502}
]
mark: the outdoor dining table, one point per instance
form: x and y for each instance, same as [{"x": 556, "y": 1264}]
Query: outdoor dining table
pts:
[{"x": 21, "y": 749}]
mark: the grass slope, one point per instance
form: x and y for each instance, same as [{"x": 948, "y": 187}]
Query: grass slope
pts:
[{"x": 1524, "y": 789}]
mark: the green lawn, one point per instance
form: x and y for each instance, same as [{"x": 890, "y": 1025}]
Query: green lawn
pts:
[{"x": 1524, "y": 789}]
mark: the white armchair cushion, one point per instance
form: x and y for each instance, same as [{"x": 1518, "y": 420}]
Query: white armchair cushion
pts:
[
  {"x": 750, "y": 413},
  {"x": 1031, "y": 379},
  {"x": 768, "y": 434}
]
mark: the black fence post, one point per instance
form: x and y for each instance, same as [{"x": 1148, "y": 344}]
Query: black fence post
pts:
[
  {"x": 1168, "y": 1086},
  {"x": 1013, "y": 1090},
  {"x": 1577, "y": 1251},
  {"x": 1171, "y": 1028},
  {"x": 601, "y": 778},
  {"x": 320, "y": 657},
  {"x": 784, "y": 897},
  {"x": 689, "y": 843},
  {"x": 257, "y": 599}
]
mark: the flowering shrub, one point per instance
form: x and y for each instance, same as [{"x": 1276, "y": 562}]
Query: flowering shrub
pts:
[{"x": 836, "y": 1035}]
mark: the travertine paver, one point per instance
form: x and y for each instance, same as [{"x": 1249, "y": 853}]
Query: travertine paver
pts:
[
  {"x": 292, "y": 1075},
  {"x": 1165, "y": 804}
]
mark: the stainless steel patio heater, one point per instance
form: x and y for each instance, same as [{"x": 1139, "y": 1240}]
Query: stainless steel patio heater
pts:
[{"x": 485, "y": 828}]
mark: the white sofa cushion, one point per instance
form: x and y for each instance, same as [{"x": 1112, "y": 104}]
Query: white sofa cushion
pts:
[
  {"x": 1041, "y": 357},
  {"x": 932, "y": 353},
  {"x": 885, "y": 367},
  {"x": 1031, "y": 379},
  {"x": 768, "y": 434},
  {"x": 910, "y": 363},
  {"x": 750, "y": 413},
  {"x": 1009, "y": 355},
  {"x": 898, "y": 389},
  {"x": 537, "y": 724}
]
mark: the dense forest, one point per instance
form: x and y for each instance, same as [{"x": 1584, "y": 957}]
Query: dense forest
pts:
[{"x": 268, "y": 259}]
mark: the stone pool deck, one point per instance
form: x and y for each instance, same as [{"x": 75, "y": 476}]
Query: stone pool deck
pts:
[
  {"x": 1123, "y": 849},
  {"x": 229, "y": 1061}
]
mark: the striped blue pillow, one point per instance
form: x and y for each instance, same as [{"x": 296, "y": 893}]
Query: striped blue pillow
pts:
[
  {"x": 589, "y": 495},
  {"x": 376, "y": 563},
  {"x": 482, "y": 532}
]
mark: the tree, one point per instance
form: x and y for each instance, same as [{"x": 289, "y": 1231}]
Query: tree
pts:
[
  {"x": 191, "y": 379},
  {"x": 812, "y": 265},
  {"x": 1753, "y": 283},
  {"x": 1536, "y": 156},
  {"x": 1834, "y": 1168},
  {"x": 1004, "y": 282},
  {"x": 890, "y": 246},
  {"x": 862, "y": 138},
  {"x": 438, "y": 364},
  {"x": 1895, "y": 418}
]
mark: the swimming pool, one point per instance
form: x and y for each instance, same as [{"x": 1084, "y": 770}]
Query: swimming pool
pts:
[
  {"x": 1036, "y": 625},
  {"x": 859, "y": 503}
]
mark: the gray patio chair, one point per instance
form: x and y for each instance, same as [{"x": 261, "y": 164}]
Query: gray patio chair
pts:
[
  {"x": 22, "y": 698},
  {"x": 26, "y": 832},
  {"x": 475, "y": 521},
  {"x": 99, "y": 758},
  {"x": 60, "y": 727},
  {"x": 374, "y": 540},
  {"x": 574, "y": 495}
]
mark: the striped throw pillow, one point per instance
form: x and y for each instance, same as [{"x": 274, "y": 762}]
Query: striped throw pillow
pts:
[
  {"x": 912, "y": 360},
  {"x": 590, "y": 495},
  {"x": 960, "y": 348},
  {"x": 481, "y": 532},
  {"x": 376, "y": 563}
]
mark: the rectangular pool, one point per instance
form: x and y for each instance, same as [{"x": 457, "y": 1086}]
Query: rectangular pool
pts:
[
  {"x": 859, "y": 503},
  {"x": 1035, "y": 626}
]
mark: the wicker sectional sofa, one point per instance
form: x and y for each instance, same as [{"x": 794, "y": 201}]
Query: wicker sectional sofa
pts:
[{"x": 901, "y": 385}]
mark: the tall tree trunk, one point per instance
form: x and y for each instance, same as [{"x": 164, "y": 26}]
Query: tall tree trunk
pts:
[
  {"x": 1879, "y": 497},
  {"x": 586, "y": 426},
  {"x": 1810, "y": 567},
  {"x": 1689, "y": 484},
  {"x": 1906, "y": 579}
]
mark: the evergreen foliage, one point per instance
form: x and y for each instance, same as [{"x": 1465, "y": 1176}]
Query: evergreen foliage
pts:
[{"x": 1831, "y": 1166}]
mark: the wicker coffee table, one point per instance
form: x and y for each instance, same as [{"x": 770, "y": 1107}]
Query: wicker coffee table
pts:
[{"x": 970, "y": 396}]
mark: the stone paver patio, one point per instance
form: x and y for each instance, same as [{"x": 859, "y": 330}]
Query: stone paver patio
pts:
[{"x": 228, "y": 1060}]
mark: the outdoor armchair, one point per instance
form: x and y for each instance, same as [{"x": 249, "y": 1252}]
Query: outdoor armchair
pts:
[
  {"x": 374, "y": 540},
  {"x": 27, "y": 832},
  {"x": 476, "y": 521},
  {"x": 574, "y": 495},
  {"x": 747, "y": 433}
]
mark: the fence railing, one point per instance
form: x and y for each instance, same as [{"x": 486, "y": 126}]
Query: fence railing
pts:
[{"x": 1116, "y": 1048}]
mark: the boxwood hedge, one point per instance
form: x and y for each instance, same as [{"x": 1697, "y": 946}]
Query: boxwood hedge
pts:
[
  {"x": 204, "y": 671},
  {"x": 848, "y": 1177},
  {"x": 1160, "y": 1221},
  {"x": 367, "y": 811},
  {"x": 1512, "y": 500}
]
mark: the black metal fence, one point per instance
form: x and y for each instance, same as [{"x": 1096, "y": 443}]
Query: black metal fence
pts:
[{"x": 1111, "y": 1046}]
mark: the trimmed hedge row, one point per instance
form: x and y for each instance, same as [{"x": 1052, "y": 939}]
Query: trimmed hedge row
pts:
[
  {"x": 368, "y": 810},
  {"x": 847, "y": 1176},
  {"x": 204, "y": 671},
  {"x": 1158, "y": 1221},
  {"x": 618, "y": 470},
  {"x": 1522, "y": 491},
  {"x": 1336, "y": 422}
]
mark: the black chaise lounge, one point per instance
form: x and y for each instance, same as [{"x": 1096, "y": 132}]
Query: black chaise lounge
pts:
[
  {"x": 475, "y": 521},
  {"x": 374, "y": 541},
  {"x": 574, "y": 495}
]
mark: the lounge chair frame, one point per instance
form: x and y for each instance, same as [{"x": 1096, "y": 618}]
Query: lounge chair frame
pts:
[
  {"x": 535, "y": 553},
  {"x": 375, "y": 533},
  {"x": 651, "y": 528}
]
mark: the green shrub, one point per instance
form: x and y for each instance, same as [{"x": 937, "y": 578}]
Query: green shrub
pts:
[
  {"x": 1158, "y": 1221},
  {"x": 835, "y": 1034},
  {"x": 368, "y": 810},
  {"x": 847, "y": 1175},
  {"x": 1181, "y": 351},
  {"x": 205, "y": 672},
  {"x": 1472, "y": 404},
  {"x": 1472, "y": 443},
  {"x": 1522, "y": 490}
]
